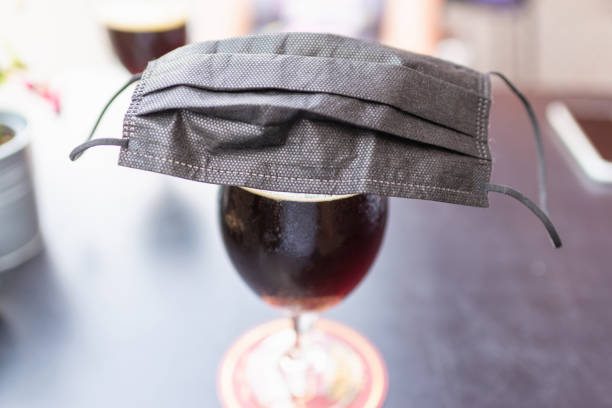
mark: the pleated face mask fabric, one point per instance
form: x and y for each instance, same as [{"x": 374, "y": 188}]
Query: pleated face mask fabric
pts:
[{"x": 313, "y": 113}]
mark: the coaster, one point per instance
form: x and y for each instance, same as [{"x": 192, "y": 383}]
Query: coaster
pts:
[{"x": 362, "y": 369}]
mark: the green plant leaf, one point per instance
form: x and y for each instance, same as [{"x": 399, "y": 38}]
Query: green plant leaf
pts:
[{"x": 18, "y": 64}]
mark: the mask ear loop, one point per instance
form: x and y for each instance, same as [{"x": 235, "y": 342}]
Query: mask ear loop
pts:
[
  {"x": 509, "y": 191},
  {"x": 541, "y": 213},
  {"x": 80, "y": 149},
  {"x": 538, "y": 138}
]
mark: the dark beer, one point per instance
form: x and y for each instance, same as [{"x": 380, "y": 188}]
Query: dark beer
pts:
[
  {"x": 143, "y": 34},
  {"x": 301, "y": 255},
  {"x": 6, "y": 134}
]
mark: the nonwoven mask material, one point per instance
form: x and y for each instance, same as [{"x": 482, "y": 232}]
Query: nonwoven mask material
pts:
[{"x": 316, "y": 113}]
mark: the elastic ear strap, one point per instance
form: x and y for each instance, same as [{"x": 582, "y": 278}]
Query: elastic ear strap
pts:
[
  {"x": 78, "y": 151},
  {"x": 552, "y": 231},
  {"x": 538, "y": 139}
]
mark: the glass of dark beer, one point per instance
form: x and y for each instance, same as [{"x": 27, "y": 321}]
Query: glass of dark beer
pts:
[
  {"x": 141, "y": 31},
  {"x": 302, "y": 254}
]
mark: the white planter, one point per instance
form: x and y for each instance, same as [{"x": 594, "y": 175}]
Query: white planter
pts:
[{"x": 19, "y": 232}]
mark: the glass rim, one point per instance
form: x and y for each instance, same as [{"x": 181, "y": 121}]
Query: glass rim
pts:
[
  {"x": 300, "y": 197},
  {"x": 142, "y": 16}
]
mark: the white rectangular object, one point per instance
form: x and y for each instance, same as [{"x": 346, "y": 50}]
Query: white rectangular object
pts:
[{"x": 577, "y": 142}]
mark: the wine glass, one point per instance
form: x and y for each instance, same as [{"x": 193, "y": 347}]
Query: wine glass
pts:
[
  {"x": 302, "y": 254},
  {"x": 143, "y": 30}
]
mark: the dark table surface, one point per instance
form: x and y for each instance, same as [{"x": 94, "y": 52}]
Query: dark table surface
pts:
[{"x": 134, "y": 301}]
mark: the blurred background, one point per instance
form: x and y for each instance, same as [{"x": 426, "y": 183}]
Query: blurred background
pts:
[
  {"x": 124, "y": 250},
  {"x": 550, "y": 44}
]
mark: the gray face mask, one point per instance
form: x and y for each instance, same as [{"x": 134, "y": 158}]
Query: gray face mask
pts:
[{"x": 316, "y": 113}]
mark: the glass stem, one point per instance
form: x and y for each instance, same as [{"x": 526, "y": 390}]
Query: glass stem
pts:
[
  {"x": 294, "y": 365},
  {"x": 302, "y": 323},
  {"x": 295, "y": 320}
]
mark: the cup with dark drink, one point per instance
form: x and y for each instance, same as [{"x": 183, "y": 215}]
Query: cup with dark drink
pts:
[
  {"x": 302, "y": 254},
  {"x": 142, "y": 31}
]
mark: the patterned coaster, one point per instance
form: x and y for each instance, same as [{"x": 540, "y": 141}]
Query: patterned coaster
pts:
[{"x": 367, "y": 374}]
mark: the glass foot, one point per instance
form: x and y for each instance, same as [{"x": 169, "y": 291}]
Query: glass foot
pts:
[{"x": 335, "y": 366}]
